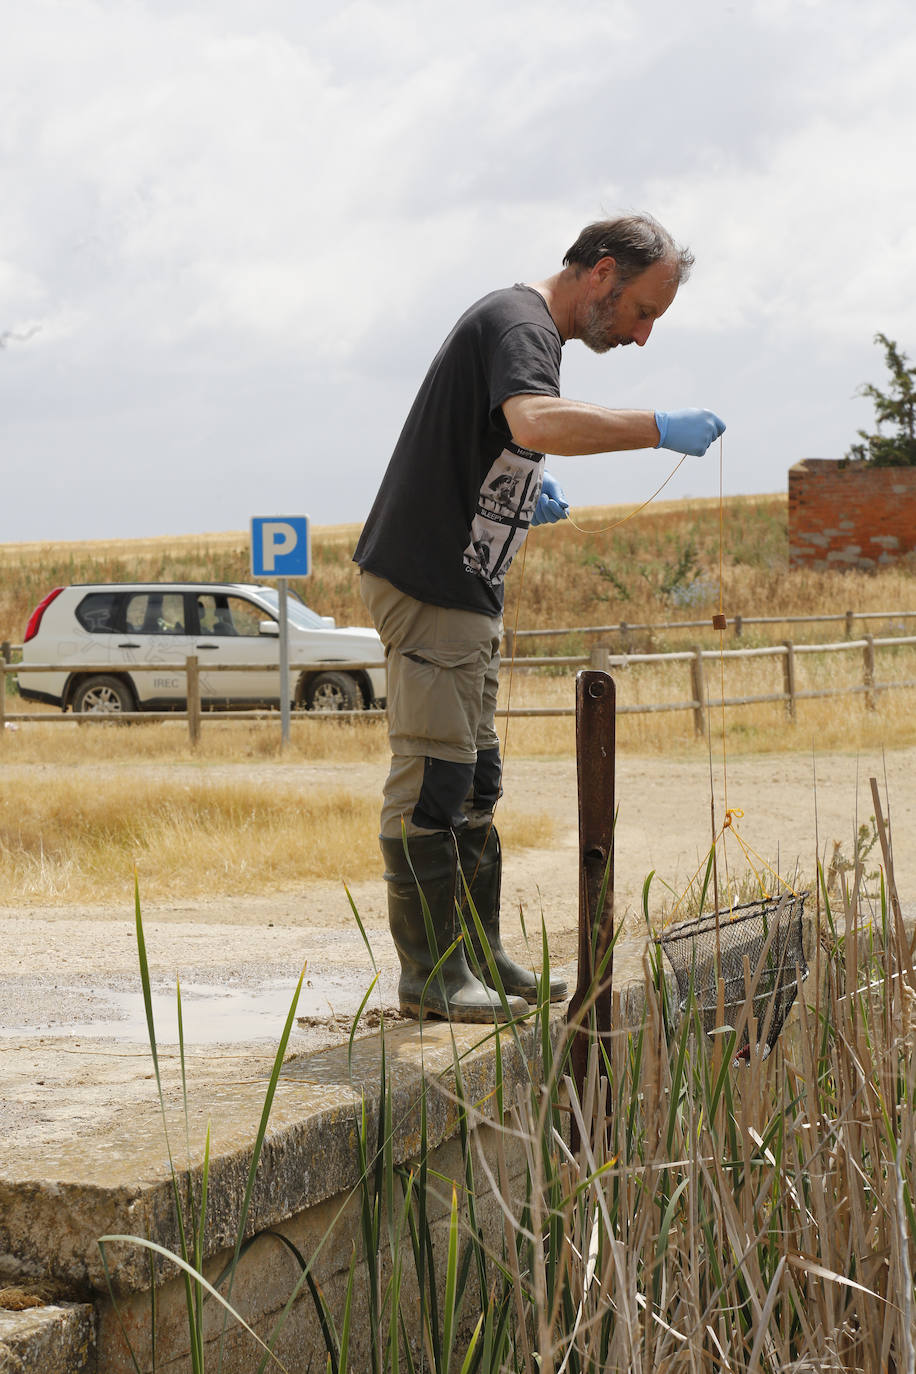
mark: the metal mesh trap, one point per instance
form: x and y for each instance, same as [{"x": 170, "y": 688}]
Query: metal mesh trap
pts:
[{"x": 768, "y": 934}]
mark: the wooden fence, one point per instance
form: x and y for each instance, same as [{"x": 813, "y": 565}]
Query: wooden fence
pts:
[
  {"x": 195, "y": 709},
  {"x": 737, "y": 623},
  {"x": 698, "y": 701}
]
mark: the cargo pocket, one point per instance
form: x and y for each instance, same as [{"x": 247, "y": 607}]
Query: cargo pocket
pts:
[{"x": 434, "y": 700}]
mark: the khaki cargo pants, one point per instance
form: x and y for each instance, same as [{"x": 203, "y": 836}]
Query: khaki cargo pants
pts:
[{"x": 443, "y": 668}]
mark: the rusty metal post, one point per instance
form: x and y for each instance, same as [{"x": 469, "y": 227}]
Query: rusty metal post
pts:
[{"x": 595, "y": 763}]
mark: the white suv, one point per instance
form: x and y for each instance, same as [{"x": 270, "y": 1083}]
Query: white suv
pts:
[{"x": 95, "y": 634}]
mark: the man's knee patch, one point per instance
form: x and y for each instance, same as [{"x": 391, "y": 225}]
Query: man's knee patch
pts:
[
  {"x": 440, "y": 805},
  {"x": 487, "y": 779}
]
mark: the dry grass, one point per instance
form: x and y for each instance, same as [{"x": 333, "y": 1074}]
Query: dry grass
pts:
[
  {"x": 662, "y": 565},
  {"x": 66, "y": 839},
  {"x": 66, "y": 741},
  {"x": 842, "y": 723},
  {"x": 29, "y": 571},
  {"x": 742, "y": 1216}
]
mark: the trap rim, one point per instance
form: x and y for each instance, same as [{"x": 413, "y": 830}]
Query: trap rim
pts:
[{"x": 736, "y": 915}]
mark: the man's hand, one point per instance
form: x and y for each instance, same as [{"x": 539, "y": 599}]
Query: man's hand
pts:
[
  {"x": 688, "y": 431},
  {"x": 552, "y": 504}
]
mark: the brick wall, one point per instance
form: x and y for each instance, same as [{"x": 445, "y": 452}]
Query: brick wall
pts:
[{"x": 850, "y": 515}]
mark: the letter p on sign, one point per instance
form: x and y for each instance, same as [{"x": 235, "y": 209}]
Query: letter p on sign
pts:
[{"x": 280, "y": 546}]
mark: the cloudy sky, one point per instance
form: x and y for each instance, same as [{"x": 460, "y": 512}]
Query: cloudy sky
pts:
[{"x": 234, "y": 232}]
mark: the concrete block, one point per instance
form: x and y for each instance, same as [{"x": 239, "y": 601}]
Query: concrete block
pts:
[
  {"x": 306, "y": 1200},
  {"x": 327, "y": 1236},
  {"x": 117, "y": 1181},
  {"x": 58, "y": 1339}
]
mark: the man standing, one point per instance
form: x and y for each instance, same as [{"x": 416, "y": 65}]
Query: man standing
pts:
[{"x": 464, "y": 483}]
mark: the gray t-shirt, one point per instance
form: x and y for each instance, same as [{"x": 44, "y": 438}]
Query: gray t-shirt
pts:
[{"x": 458, "y": 495}]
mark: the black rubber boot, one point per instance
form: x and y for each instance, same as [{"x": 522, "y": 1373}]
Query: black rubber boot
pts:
[
  {"x": 480, "y": 855},
  {"x": 454, "y": 993}
]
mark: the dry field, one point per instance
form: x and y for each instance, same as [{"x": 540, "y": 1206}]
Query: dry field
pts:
[
  {"x": 663, "y": 565},
  {"x": 230, "y": 816}
]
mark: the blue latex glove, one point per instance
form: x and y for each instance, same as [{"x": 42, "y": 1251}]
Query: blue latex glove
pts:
[
  {"x": 552, "y": 503},
  {"x": 688, "y": 431}
]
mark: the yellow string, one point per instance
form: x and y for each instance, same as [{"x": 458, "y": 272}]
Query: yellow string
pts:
[
  {"x": 623, "y": 520},
  {"x": 728, "y": 825},
  {"x": 728, "y": 812},
  {"x": 748, "y": 851},
  {"x": 732, "y": 813}
]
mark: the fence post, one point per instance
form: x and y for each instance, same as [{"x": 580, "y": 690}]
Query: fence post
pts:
[
  {"x": 625, "y": 636},
  {"x": 788, "y": 678},
  {"x": 871, "y": 699},
  {"x": 192, "y": 667},
  {"x": 600, "y": 658},
  {"x": 2, "y": 703},
  {"x": 850, "y": 616},
  {"x": 698, "y": 689},
  {"x": 6, "y": 649},
  {"x": 509, "y": 636},
  {"x": 738, "y": 626}
]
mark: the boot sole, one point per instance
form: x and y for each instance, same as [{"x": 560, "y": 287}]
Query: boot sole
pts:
[
  {"x": 532, "y": 996},
  {"x": 465, "y": 1015}
]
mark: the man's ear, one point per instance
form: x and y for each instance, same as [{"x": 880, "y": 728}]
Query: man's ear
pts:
[
  {"x": 603, "y": 275},
  {"x": 604, "y": 272}
]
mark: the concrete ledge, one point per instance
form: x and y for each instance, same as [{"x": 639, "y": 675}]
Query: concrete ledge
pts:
[
  {"x": 53, "y": 1210},
  {"x": 49, "y": 1340},
  {"x": 117, "y": 1180}
]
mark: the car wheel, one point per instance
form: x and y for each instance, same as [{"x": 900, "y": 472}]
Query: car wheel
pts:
[
  {"x": 332, "y": 692},
  {"x": 104, "y": 696}
]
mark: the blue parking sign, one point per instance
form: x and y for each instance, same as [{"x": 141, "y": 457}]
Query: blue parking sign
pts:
[{"x": 280, "y": 546}]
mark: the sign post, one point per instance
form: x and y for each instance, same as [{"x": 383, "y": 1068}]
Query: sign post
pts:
[{"x": 281, "y": 548}]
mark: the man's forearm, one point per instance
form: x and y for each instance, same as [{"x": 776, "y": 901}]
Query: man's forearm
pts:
[{"x": 553, "y": 424}]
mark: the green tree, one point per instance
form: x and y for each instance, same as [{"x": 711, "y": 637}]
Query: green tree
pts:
[{"x": 895, "y": 407}]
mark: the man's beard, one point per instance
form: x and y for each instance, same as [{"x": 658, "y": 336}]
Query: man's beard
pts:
[{"x": 597, "y": 331}]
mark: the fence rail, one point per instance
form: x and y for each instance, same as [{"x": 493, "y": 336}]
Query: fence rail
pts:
[
  {"x": 738, "y": 623},
  {"x": 698, "y": 700}
]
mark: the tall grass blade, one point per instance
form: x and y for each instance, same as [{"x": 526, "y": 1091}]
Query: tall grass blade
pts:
[{"x": 449, "y": 1308}]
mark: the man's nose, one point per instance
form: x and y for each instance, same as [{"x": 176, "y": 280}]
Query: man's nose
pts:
[{"x": 641, "y": 331}]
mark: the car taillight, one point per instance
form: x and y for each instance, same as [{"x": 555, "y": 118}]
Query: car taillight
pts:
[{"x": 31, "y": 630}]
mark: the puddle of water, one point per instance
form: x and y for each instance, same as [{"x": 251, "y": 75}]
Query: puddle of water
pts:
[{"x": 210, "y": 1013}]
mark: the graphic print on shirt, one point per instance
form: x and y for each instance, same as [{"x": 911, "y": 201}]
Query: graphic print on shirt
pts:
[{"x": 504, "y": 510}]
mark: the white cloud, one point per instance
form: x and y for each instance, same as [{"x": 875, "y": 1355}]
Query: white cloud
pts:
[{"x": 212, "y": 193}]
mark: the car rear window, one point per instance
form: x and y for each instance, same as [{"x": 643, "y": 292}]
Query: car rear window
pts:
[{"x": 99, "y": 612}]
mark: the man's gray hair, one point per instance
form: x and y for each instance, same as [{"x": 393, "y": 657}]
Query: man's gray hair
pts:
[{"x": 635, "y": 242}]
